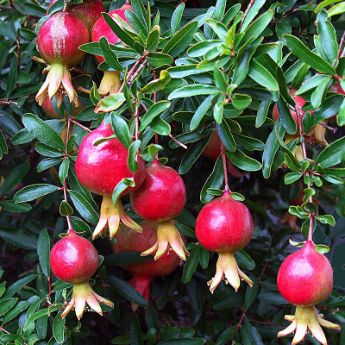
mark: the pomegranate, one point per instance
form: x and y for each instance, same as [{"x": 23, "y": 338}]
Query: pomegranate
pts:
[
  {"x": 99, "y": 168},
  {"x": 89, "y": 11},
  {"x": 213, "y": 150},
  {"x": 75, "y": 260},
  {"x": 58, "y": 42},
  {"x": 111, "y": 79},
  {"x": 224, "y": 226},
  {"x": 316, "y": 134},
  {"x": 143, "y": 273},
  {"x": 305, "y": 279},
  {"x": 161, "y": 198}
]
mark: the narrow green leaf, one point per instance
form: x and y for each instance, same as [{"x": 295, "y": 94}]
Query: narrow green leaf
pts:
[
  {"x": 43, "y": 251},
  {"x": 34, "y": 191}
]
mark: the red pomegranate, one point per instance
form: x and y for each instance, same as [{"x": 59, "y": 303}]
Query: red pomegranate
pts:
[
  {"x": 224, "y": 226},
  {"x": 75, "y": 260},
  {"x": 89, "y": 11},
  {"x": 111, "y": 79},
  {"x": 305, "y": 279},
  {"x": 161, "y": 198},
  {"x": 99, "y": 168},
  {"x": 58, "y": 42},
  {"x": 143, "y": 273},
  {"x": 300, "y": 102},
  {"x": 213, "y": 150}
]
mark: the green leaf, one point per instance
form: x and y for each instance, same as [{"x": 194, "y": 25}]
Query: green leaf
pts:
[
  {"x": 157, "y": 84},
  {"x": 341, "y": 114},
  {"x": 218, "y": 28},
  {"x": 158, "y": 59},
  {"x": 153, "y": 38},
  {"x": 263, "y": 76},
  {"x": 253, "y": 11},
  {"x": 41, "y": 131},
  {"x": 6, "y": 305},
  {"x": 191, "y": 265},
  {"x": 326, "y": 219},
  {"x": 121, "y": 187},
  {"x": 285, "y": 117},
  {"x": 127, "y": 291},
  {"x": 292, "y": 177},
  {"x": 243, "y": 161},
  {"x": 183, "y": 341},
  {"x": 155, "y": 110},
  {"x": 181, "y": 39},
  {"x": 59, "y": 329},
  {"x": 110, "y": 103},
  {"x": 109, "y": 56},
  {"x": 218, "y": 111},
  {"x": 124, "y": 36},
  {"x": 226, "y": 136},
  {"x": 18, "y": 285},
  {"x": 193, "y": 90},
  {"x": 83, "y": 206},
  {"x": 176, "y": 17},
  {"x": 20, "y": 307},
  {"x": 327, "y": 38},
  {"x": 34, "y": 191},
  {"x": 215, "y": 180},
  {"x": 337, "y": 9},
  {"x": 299, "y": 49},
  {"x": 161, "y": 127},
  {"x": 333, "y": 154},
  {"x": 65, "y": 209},
  {"x": 201, "y": 112},
  {"x": 63, "y": 170},
  {"x": 192, "y": 154},
  {"x": 133, "y": 153},
  {"x": 121, "y": 129},
  {"x": 241, "y": 101},
  {"x": 43, "y": 251}
]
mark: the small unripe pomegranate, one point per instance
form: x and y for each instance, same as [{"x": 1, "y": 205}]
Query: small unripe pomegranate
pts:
[
  {"x": 89, "y": 11},
  {"x": 75, "y": 260},
  {"x": 99, "y": 168},
  {"x": 143, "y": 273},
  {"x": 111, "y": 80},
  {"x": 213, "y": 150},
  {"x": 161, "y": 198},
  {"x": 305, "y": 279},
  {"x": 58, "y": 42},
  {"x": 224, "y": 226}
]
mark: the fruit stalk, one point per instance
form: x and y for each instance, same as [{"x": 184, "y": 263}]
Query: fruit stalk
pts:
[{"x": 225, "y": 169}]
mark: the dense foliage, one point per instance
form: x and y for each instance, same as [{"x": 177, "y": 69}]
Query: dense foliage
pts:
[{"x": 188, "y": 69}]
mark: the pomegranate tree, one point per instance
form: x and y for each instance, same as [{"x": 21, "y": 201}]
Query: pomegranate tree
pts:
[
  {"x": 58, "y": 42},
  {"x": 99, "y": 167},
  {"x": 75, "y": 260},
  {"x": 305, "y": 279},
  {"x": 225, "y": 226},
  {"x": 143, "y": 273},
  {"x": 161, "y": 198},
  {"x": 89, "y": 11},
  {"x": 111, "y": 79}
]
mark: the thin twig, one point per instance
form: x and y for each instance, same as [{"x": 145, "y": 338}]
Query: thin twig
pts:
[
  {"x": 247, "y": 11},
  {"x": 7, "y": 102},
  {"x": 80, "y": 125},
  {"x": 179, "y": 143}
]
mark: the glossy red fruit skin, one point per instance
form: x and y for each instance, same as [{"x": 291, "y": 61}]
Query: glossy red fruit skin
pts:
[
  {"x": 59, "y": 38},
  {"x": 305, "y": 277},
  {"x": 89, "y": 11},
  {"x": 212, "y": 150},
  {"x": 224, "y": 225},
  {"x": 162, "y": 196},
  {"x": 102, "y": 29},
  {"x": 47, "y": 107},
  {"x": 300, "y": 101},
  {"x": 338, "y": 89},
  {"x": 74, "y": 259},
  {"x": 100, "y": 168},
  {"x": 130, "y": 241}
]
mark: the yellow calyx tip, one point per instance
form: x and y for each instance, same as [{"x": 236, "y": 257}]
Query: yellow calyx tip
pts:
[
  {"x": 84, "y": 296},
  {"x": 307, "y": 319},
  {"x": 110, "y": 218},
  {"x": 110, "y": 83},
  {"x": 228, "y": 269},
  {"x": 168, "y": 237}
]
